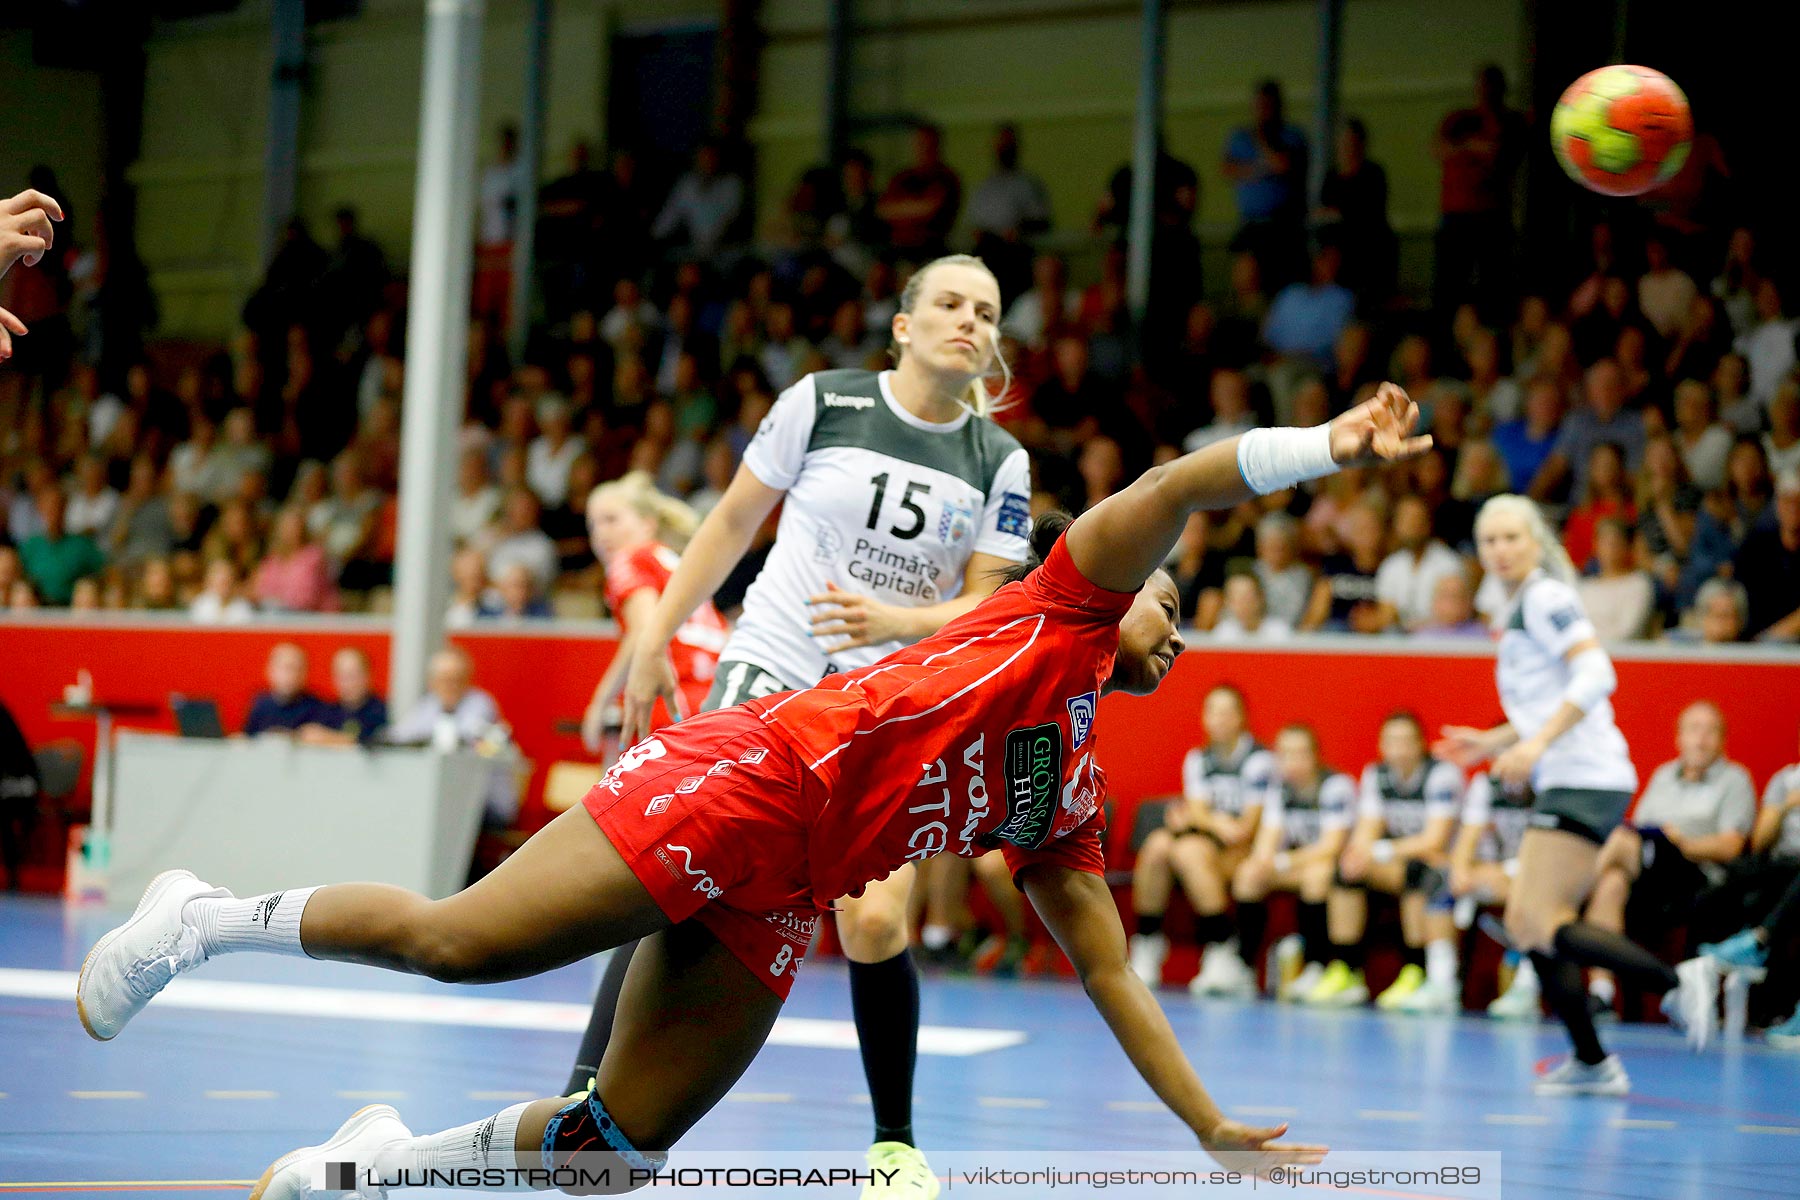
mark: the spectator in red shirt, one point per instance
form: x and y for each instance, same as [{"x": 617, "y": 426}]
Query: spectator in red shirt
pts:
[
  {"x": 1607, "y": 496},
  {"x": 921, "y": 201},
  {"x": 1480, "y": 149}
]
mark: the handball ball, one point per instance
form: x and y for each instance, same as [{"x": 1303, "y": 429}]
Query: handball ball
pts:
[{"x": 1622, "y": 130}]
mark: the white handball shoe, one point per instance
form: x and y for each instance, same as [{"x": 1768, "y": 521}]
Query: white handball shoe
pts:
[
  {"x": 1572, "y": 1077},
  {"x": 138, "y": 959},
  {"x": 1693, "y": 1005},
  {"x": 317, "y": 1170},
  {"x": 1432, "y": 998},
  {"x": 1148, "y": 952},
  {"x": 1223, "y": 973}
]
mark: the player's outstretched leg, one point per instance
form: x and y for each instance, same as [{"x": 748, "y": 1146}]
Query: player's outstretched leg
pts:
[
  {"x": 884, "y": 1000},
  {"x": 690, "y": 1019},
  {"x": 562, "y": 896}
]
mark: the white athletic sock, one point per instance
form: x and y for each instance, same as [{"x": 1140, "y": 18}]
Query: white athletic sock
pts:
[
  {"x": 1440, "y": 962},
  {"x": 1603, "y": 987},
  {"x": 481, "y": 1146},
  {"x": 936, "y": 937},
  {"x": 269, "y": 924},
  {"x": 1525, "y": 975}
]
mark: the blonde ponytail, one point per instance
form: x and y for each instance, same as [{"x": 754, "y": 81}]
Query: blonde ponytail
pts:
[
  {"x": 977, "y": 399},
  {"x": 675, "y": 521}
]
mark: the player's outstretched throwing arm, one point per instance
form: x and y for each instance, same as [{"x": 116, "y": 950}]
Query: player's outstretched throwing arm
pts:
[
  {"x": 1121, "y": 541},
  {"x": 1119, "y": 544}
]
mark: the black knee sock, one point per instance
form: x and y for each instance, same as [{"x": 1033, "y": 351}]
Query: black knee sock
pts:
[
  {"x": 1252, "y": 926},
  {"x": 1588, "y": 945},
  {"x": 1211, "y": 930},
  {"x": 1563, "y": 988},
  {"x": 1352, "y": 955},
  {"x": 1415, "y": 956},
  {"x": 884, "y": 998},
  {"x": 1149, "y": 924},
  {"x": 1313, "y": 932},
  {"x": 600, "y": 1021}
]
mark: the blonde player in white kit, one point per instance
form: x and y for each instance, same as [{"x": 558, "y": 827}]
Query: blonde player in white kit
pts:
[
  {"x": 901, "y": 507},
  {"x": 1555, "y": 687}
]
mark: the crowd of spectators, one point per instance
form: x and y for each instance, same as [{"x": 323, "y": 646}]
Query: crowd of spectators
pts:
[{"x": 1642, "y": 388}]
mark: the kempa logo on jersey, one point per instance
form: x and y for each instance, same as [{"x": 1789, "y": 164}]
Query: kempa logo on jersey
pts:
[
  {"x": 1081, "y": 718},
  {"x": 705, "y": 885},
  {"x": 839, "y": 400},
  {"x": 1033, "y": 768}
]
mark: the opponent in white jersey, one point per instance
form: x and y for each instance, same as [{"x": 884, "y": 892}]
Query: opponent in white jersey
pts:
[
  {"x": 1205, "y": 835},
  {"x": 1306, "y": 819},
  {"x": 1406, "y": 812},
  {"x": 1555, "y": 682},
  {"x": 903, "y": 505}
]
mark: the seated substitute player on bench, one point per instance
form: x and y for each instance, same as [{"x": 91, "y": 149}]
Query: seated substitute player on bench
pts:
[
  {"x": 1694, "y": 816},
  {"x": 1406, "y": 813},
  {"x": 1306, "y": 819},
  {"x": 1483, "y": 861},
  {"x": 1205, "y": 836}
]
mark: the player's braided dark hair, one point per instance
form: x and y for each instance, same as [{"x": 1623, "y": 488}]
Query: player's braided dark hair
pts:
[{"x": 1044, "y": 532}]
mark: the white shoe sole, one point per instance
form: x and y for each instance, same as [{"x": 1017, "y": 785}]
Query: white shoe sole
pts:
[
  {"x": 1620, "y": 1087},
  {"x": 151, "y": 895},
  {"x": 1699, "y": 1000},
  {"x": 359, "y": 1120}
]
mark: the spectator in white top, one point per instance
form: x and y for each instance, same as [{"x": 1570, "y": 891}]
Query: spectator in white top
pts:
[
  {"x": 1006, "y": 209},
  {"x": 1782, "y": 442},
  {"x": 553, "y": 452},
  {"x": 1619, "y": 599},
  {"x": 1694, "y": 816},
  {"x": 342, "y": 521},
  {"x": 1408, "y": 578},
  {"x": 477, "y": 500},
  {"x": 468, "y": 588},
  {"x": 1050, "y": 304},
  {"x": 1704, "y": 443},
  {"x": 455, "y": 712},
  {"x": 631, "y": 322},
  {"x": 1286, "y": 581},
  {"x": 220, "y": 601},
  {"x": 1246, "y": 617},
  {"x": 1769, "y": 346},
  {"x": 521, "y": 539},
  {"x": 1664, "y": 292},
  {"x": 703, "y": 207},
  {"x": 500, "y": 185},
  {"x": 92, "y": 504}
]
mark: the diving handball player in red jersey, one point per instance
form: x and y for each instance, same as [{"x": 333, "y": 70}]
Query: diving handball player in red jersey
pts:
[{"x": 719, "y": 838}]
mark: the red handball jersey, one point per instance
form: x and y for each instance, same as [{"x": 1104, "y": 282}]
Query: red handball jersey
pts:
[
  {"x": 695, "y": 650},
  {"x": 978, "y": 737}
]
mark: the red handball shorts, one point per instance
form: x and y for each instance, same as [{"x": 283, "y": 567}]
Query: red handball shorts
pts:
[{"x": 712, "y": 816}]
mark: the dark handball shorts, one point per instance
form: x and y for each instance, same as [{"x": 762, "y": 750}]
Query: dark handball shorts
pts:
[
  {"x": 1592, "y": 813},
  {"x": 737, "y": 681},
  {"x": 712, "y": 816}
]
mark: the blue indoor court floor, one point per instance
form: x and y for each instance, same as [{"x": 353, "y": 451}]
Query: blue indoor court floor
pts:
[{"x": 251, "y": 1056}]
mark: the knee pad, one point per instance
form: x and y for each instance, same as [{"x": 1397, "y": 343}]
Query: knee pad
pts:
[{"x": 584, "y": 1126}]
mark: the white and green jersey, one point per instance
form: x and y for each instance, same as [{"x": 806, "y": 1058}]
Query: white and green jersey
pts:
[
  {"x": 1539, "y": 624},
  {"x": 879, "y": 502}
]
